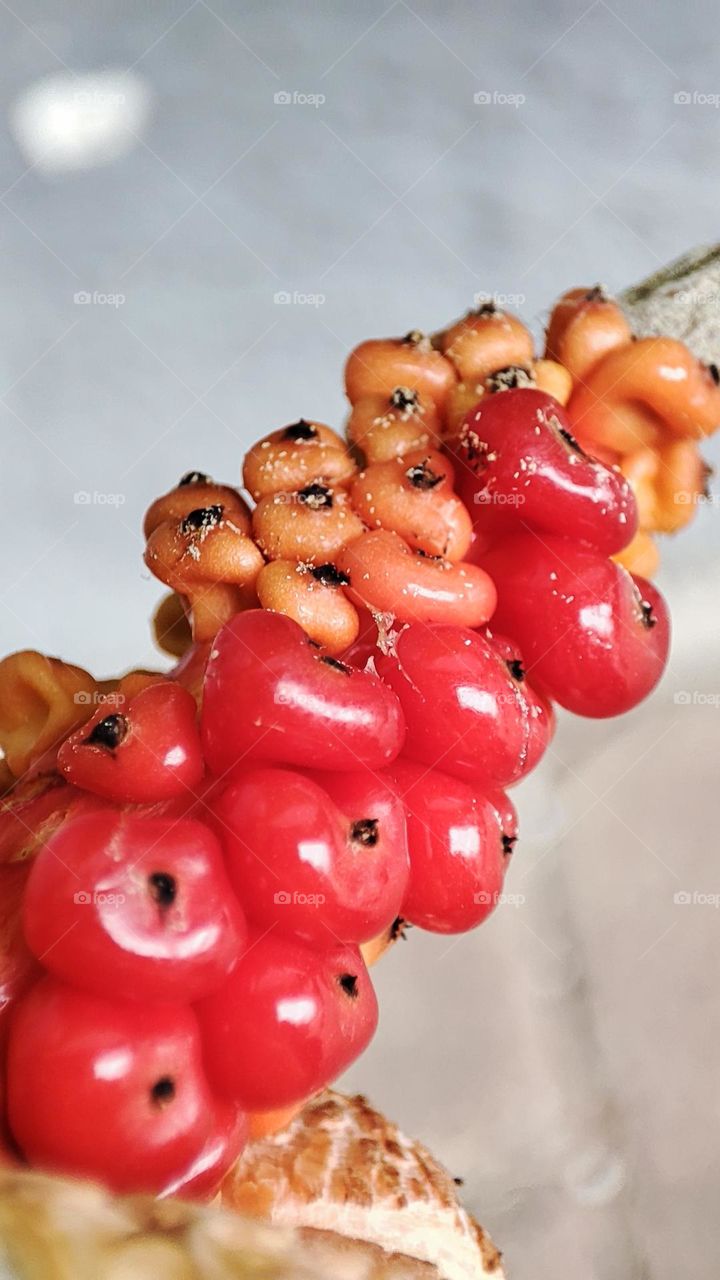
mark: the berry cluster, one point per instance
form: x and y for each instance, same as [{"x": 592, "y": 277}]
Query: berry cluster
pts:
[{"x": 196, "y": 868}]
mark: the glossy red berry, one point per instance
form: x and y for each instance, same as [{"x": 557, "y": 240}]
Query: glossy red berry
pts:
[
  {"x": 313, "y": 867},
  {"x": 134, "y": 907},
  {"x": 520, "y": 465},
  {"x": 113, "y": 1090},
  {"x": 468, "y": 711},
  {"x": 286, "y": 1022},
  {"x": 593, "y": 637},
  {"x": 270, "y": 695},
  {"x": 457, "y": 858},
  {"x": 145, "y": 750}
]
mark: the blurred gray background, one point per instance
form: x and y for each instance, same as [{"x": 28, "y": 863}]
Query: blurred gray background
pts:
[{"x": 202, "y": 207}]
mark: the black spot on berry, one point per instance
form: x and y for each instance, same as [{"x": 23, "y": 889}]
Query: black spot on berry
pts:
[
  {"x": 349, "y": 984},
  {"x": 330, "y": 575},
  {"x": 423, "y": 477},
  {"x": 488, "y": 308},
  {"x": 714, "y": 373},
  {"x": 299, "y": 431},
  {"x": 508, "y": 844},
  {"x": 193, "y": 477},
  {"x": 336, "y": 665},
  {"x": 398, "y": 929},
  {"x": 163, "y": 1091},
  {"x": 514, "y": 375},
  {"x": 316, "y": 496},
  {"x": 163, "y": 888},
  {"x": 201, "y": 518},
  {"x": 404, "y": 398},
  {"x": 109, "y": 732},
  {"x": 596, "y": 294},
  {"x": 516, "y": 669},
  {"x": 414, "y": 338},
  {"x": 366, "y": 831},
  {"x": 647, "y": 616},
  {"x": 459, "y": 1182}
]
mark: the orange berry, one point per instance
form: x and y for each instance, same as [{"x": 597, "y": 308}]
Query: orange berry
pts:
[
  {"x": 377, "y": 366},
  {"x": 312, "y": 595},
  {"x": 312, "y": 524},
  {"x": 414, "y": 497},
  {"x": 386, "y": 576},
  {"x": 584, "y": 326},
  {"x": 384, "y": 427},
  {"x": 296, "y": 456}
]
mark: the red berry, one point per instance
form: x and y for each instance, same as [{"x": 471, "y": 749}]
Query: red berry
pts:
[
  {"x": 457, "y": 858},
  {"x": 270, "y": 695},
  {"x": 507, "y": 818},
  {"x": 112, "y": 1090},
  {"x": 149, "y": 750},
  {"x": 314, "y": 869},
  {"x": 18, "y": 967},
  {"x": 523, "y": 467},
  {"x": 134, "y": 907},
  {"x": 34, "y": 809},
  {"x": 286, "y": 1022},
  {"x": 593, "y": 637},
  {"x": 466, "y": 711}
]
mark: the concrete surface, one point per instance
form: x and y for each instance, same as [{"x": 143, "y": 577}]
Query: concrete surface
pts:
[{"x": 563, "y": 1059}]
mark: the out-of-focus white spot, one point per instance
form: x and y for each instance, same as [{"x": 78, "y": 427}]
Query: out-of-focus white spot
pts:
[{"x": 64, "y": 122}]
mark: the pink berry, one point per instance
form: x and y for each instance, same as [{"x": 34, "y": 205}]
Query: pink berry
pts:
[
  {"x": 133, "y": 907},
  {"x": 286, "y": 1022},
  {"x": 595, "y": 638},
  {"x": 521, "y": 466},
  {"x": 271, "y": 696}
]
